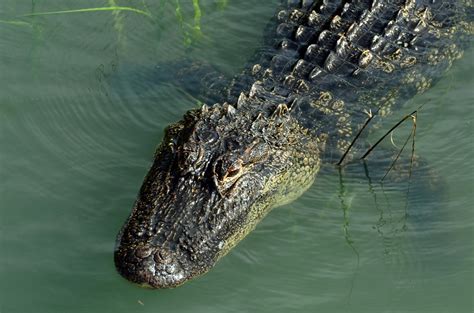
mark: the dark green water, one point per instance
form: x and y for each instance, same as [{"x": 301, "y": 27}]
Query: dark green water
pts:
[{"x": 78, "y": 127}]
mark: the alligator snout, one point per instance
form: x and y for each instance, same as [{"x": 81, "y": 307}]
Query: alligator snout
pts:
[{"x": 150, "y": 266}]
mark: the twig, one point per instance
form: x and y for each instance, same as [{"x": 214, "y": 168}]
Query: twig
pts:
[
  {"x": 388, "y": 133},
  {"x": 371, "y": 116},
  {"x": 411, "y": 135}
]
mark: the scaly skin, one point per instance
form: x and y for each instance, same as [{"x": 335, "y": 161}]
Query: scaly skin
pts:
[{"x": 221, "y": 169}]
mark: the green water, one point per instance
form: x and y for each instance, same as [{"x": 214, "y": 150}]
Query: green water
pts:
[{"x": 74, "y": 148}]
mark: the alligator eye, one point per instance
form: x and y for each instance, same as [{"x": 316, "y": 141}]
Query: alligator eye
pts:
[
  {"x": 231, "y": 172},
  {"x": 226, "y": 175},
  {"x": 223, "y": 172},
  {"x": 234, "y": 169}
]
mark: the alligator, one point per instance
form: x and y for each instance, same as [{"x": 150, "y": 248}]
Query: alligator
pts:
[{"x": 324, "y": 65}]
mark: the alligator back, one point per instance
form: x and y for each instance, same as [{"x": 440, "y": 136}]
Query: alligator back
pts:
[{"x": 332, "y": 61}]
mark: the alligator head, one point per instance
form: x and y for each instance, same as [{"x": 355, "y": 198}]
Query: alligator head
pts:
[{"x": 214, "y": 177}]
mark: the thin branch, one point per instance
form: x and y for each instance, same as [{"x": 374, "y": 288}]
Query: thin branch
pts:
[
  {"x": 388, "y": 133},
  {"x": 411, "y": 135},
  {"x": 367, "y": 122}
]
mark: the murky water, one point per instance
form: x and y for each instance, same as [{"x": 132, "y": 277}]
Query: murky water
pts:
[{"x": 82, "y": 108}]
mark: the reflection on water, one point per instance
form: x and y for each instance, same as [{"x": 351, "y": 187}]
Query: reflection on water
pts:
[{"x": 81, "y": 112}]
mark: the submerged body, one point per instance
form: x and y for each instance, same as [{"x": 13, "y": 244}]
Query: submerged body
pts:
[{"x": 221, "y": 169}]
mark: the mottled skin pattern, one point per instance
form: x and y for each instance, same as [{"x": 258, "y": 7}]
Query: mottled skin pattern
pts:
[{"x": 222, "y": 168}]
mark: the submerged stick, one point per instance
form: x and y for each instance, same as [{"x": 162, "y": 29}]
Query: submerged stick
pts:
[
  {"x": 367, "y": 122},
  {"x": 388, "y": 133},
  {"x": 411, "y": 135}
]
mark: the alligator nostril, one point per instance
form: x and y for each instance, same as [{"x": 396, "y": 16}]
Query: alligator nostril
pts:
[
  {"x": 151, "y": 266},
  {"x": 143, "y": 252},
  {"x": 163, "y": 256}
]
